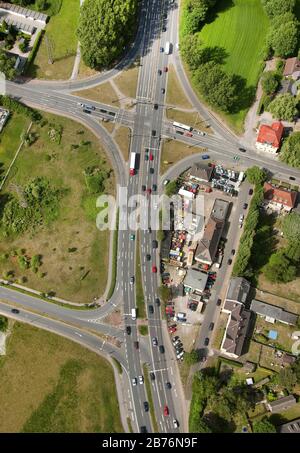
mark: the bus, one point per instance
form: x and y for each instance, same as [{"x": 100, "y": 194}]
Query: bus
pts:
[
  {"x": 182, "y": 126},
  {"x": 132, "y": 164},
  {"x": 133, "y": 314},
  {"x": 167, "y": 48}
]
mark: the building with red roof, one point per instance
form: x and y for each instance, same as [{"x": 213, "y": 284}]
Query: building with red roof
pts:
[
  {"x": 279, "y": 198},
  {"x": 269, "y": 137}
]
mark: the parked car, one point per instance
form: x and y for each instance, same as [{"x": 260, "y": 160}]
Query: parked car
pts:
[
  {"x": 245, "y": 206},
  {"x": 250, "y": 191},
  {"x": 233, "y": 252},
  {"x": 211, "y": 326},
  {"x": 229, "y": 261},
  {"x": 206, "y": 341},
  {"x": 242, "y": 150},
  {"x": 128, "y": 330},
  {"x": 219, "y": 301},
  {"x": 165, "y": 69},
  {"x": 166, "y": 181}
]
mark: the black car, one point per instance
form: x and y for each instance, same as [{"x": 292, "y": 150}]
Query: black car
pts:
[
  {"x": 168, "y": 385},
  {"x": 232, "y": 252},
  {"x": 165, "y": 16},
  {"x": 242, "y": 150},
  {"x": 15, "y": 310},
  {"x": 152, "y": 376},
  {"x": 155, "y": 106},
  {"x": 148, "y": 257},
  {"x": 154, "y": 187},
  {"x": 229, "y": 261},
  {"x": 154, "y": 244},
  {"x": 128, "y": 330},
  {"x": 164, "y": 29},
  {"x": 245, "y": 206},
  {"x": 159, "y": 72},
  {"x": 250, "y": 191},
  {"x": 149, "y": 229},
  {"x": 219, "y": 301},
  {"x": 163, "y": 91},
  {"x": 151, "y": 309},
  {"x": 161, "y": 349},
  {"x": 206, "y": 341},
  {"x": 292, "y": 178},
  {"x": 143, "y": 429},
  {"x": 143, "y": 188},
  {"x": 151, "y": 170},
  {"x": 157, "y": 301},
  {"x": 211, "y": 326},
  {"x": 153, "y": 133},
  {"x": 146, "y": 406}
]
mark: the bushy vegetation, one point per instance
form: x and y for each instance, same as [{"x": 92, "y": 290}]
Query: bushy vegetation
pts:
[
  {"x": 95, "y": 178},
  {"x": 3, "y": 323},
  {"x": 105, "y": 28},
  {"x": 284, "y": 107},
  {"x": 290, "y": 151},
  {"x": 14, "y": 106},
  {"x": 39, "y": 206}
]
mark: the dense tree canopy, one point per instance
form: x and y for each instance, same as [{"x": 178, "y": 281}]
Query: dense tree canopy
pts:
[
  {"x": 291, "y": 226},
  {"x": 263, "y": 426},
  {"x": 279, "y": 268},
  {"x": 275, "y": 8},
  {"x": 105, "y": 28},
  {"x": 284, "y": 39},
  {"x": 284, "y": 107},
  {"x": 195, "y": 13},
  {"x": 256, "y": 175},
  {"x": 290, "y": 152},
  {"x": 7, "y": 65},
  {"x": 270, "y": 81}
]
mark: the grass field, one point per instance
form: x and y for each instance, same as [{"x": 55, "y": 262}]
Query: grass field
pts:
[
  {"x": 79, "y": 274},
  {"x": 239, "y": 27},
  {"x": 175, "y": 94},
  {"x": 127, "y": 81},
  {"x": 50, "y": 384},
  {"x": 174, "y": 151},
  {"x": 10, "y": 139},
  {"x": 101, "y": 93},
  {"x": 61, "y": 33},
  {"x": 122, "y": 137}
]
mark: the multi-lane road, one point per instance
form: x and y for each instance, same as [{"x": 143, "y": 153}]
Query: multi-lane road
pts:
[{"x": 158, "y": 24}]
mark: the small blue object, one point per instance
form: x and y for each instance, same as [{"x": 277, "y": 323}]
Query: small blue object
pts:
[{"x": 273, "y": 334}]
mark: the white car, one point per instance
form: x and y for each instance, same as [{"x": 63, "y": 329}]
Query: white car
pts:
[
  {"x": 155, "y": 205},
  {"x": 154, "y": 341},
  {"x": 134, "y": 381},
  {"x": 141, "y": 379},
  {"x": 80, "y": 104},
  {"x": 175, "y": 423},
  {"x": 201, "y": 133},
  {"x": 166, "y": 181}
]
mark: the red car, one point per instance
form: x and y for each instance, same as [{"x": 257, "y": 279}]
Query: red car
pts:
[
  {"x": 154, "y": 269},
  {"x": 188, "y": 134},
  {"x": 149, "y": 190},
  {"x": 172, "y": 329},
  {"x": 165, "y": 69},
  {"x": 166, "y": 410},
  {"x": 151, "y": 156}
]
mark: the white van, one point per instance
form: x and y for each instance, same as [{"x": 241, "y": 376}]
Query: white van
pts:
[
  {"x": 167, "y": 48},
  {"x": 133, "y": 314}
]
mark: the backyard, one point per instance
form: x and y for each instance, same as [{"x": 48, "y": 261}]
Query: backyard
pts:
[
  {"x": 69, "y": 248},
  {"x": 63, "y": 386}
]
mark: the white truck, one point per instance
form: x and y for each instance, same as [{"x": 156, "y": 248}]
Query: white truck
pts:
[
  {"x": 167, "y": 48},
  {"x": 133, "y": 314},
  {"x": 132, "y": 164}
]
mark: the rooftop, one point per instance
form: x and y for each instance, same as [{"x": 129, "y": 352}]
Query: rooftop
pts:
[
  {"x": 291, "y": 427},
  {"x": 291, "y": 65},
  {"x": 271, "y": 311},
  {"x": 195, "y": 280},
  {"x": 237, "y": 329},
  {"x": 201, "y": 172},
  {"x": 238, "y": 289},
  {"x": 208, "y": 245},
  {"x": 285, "y": 197},
  {"x": 270, "y": 135},
  {"x": 282, "y": 404},
  {"x": 219, "y": 210}
]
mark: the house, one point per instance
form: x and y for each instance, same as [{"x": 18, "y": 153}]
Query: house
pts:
[
  {"x": 269, "y": 137},
  {"x": 208, "y": 245},
  {"x": 279, "y": 198},
  {"x": 201, "y": 172},
  {"x": 282, "y": 404},
  {"x": 292, "y": 68},
  {"x": 238, "y": 290},
  {"x": 195, "y": 280},
  {"x": 237, "y": 329},
  {"x": 271, "y": 313},
  {"x": 291, "y": 427}
]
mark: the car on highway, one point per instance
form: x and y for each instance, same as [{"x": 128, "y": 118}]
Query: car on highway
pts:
[
  {"x": 161, "y": 349},
  {"x": 168, "y": 385},
  {"x": 161, "y": 49},
  {"x": 154, "y": 341},
  {"x": 233, "y": 252},
  {"x": 143, "y": 188},
  {"x": 155, "y": 106},
  {"x": 292, "y": 178},
  {"x": 132, "y": 237},
  {"x": 149, "y": 190},
  {"x": 166, "y": 69},
  {"x": 154, "y": 244},
  {"x": 188, "y": 134},
  {"x": 229, "y": 261},
  {"x": 165, "y": 16},
  {"x": 152, "y": 376},
  {"x": 131, "y": 280},
  {"x": 155, "y": 205},
  {"x": 15, "y": 311},
  {"x": 242, "y": 150},
  {"x": 163, "y": 91},
  {"x": 250, "y": 191},
  {"x": 211, "y": 326},
  {"x": 146, "y": 157},
  {"x": 159, "y": 72},
  {"x": 166, "y": 181},
  {"x": 157, "y": 301},
  {"x": 201, "y": 133},
  {"x": 151, "y": 157},
  {"x": 143, "y": 429},
  {"x": 148, "y": 257},
  {"x": 128, "y": 330},
  {"x": 146, "y": 406},
  {"x": 166, "y": 411},
  {"x": 151, "y": 309},
  {"x": 153, "y": 133},
  {"x": 151, "y": 170},
  {"x": 245, "y": 205},
  {"x": 206, "y": 341},
  {"x": 141, "y": 379},
  {"x": 175, "y": 423},
  {"x": 154, "y": 269},
  {"x": 205, "y": 156},
  {"x": 134, "y": 381},
  {"x": 149, "y": 229},
  {"x": 154, "y": 187},
  {"x": 136, "y": 344}
]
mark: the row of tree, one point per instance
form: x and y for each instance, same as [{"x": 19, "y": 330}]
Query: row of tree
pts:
[
  {"x": 290, "y": 152},
  {"x": 283, "y": 37}
]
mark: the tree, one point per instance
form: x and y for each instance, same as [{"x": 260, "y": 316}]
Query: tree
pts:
[
  {"x": 270, "y": 81},
  {"x": 191, "y": 50},
  {"x": 105, "y": 28},
  {"x": 284, "y": 39},
  {"x": 275, "y": 8},
  {"x": 291, "y": 227},
  {"x": 290, "y": 152},
  {"x": 216, "y": 86},
  {"x": 171, "y": 188},
  {"x": 263, "y": 426},
  {"x": 192, "y": 357},
  {"x": 279, "y": 268},
  {"x": 7, "y": 65},
  {"x": 41, "y": 5},
  {"x": 287, "y": 378},
  {"x": 292, "y": 251},
  {"x": 256, "y": 175},
  {"x": 284, "y": 107},
  {"x": 3, "y": 323}
]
